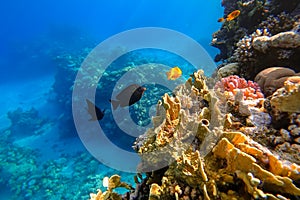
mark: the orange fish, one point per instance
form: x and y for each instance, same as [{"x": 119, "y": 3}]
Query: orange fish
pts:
[
  {"x": 231, "y": 16},
  {"x": 174, "y": 73},
  {"x": 234, "y": 14},
  {"x": 221, "y": 19}
]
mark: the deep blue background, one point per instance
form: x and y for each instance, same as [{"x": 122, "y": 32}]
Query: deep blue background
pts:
[{"x": 29, "y": 29}]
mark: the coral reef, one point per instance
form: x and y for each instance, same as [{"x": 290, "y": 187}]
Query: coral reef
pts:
[
  {"x": 113, "y": 183},
  {"x": 67, "y": 68},
  {"x": 256, "y": 52},
  {"x": 286, "y": 99},
  {"x": 25, "y": 123},
  {"x": 227, "y": 70},
  {"x": 254, "y": 164},
  {"x": 252, "y": 13},
  {"x": 273, "y": 78},
  {"x": 231, "y": 85},
  {"x": 278, "y": 23},
  {"x": 213, "y": 146},
  {"x": 28, "y": 176},
  {"x": 17, "y": 164},
  {"x": 68, "y": 65},
  {"x": 286, "y": 140},
  {"x": 283, "y": 40},
  {"x": 241, "y": 139},
  {"x": 264, "y": 35},
  {"x": 244, "y": 52}
]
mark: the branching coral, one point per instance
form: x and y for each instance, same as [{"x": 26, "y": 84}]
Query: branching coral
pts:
[
  {"x": 244, "y": 51},
  {"x": 278, "y": 23},
  {"x": 259, "y": 50}
]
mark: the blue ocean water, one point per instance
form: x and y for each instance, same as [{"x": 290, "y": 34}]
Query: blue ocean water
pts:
[{"x": 43, "y": 43}]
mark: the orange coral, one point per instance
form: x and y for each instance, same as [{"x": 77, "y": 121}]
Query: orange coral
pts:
[{"x": 243, "y": 155}]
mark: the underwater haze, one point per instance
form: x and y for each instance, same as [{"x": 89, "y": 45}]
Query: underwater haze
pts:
[
  {"x": 43, "y": 44},
  {"x": 32, "y": 28}
]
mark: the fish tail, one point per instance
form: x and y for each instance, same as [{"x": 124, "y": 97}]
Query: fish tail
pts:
[{"x": 114, "y": 104}]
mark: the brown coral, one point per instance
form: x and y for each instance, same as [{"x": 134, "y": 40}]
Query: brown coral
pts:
[
  {"x": 272, "y": 78},
  {"x": 113, "y": 182}
]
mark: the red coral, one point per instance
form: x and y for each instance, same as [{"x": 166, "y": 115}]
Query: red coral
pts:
[{"x": 234, "y": 83}]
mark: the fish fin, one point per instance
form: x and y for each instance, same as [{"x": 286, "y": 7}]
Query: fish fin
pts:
[
  {"x": 168, "y": 75},
  {"x": 114, "y": 103},
  {"x": 91, "y": 109},
  {"x": 89, "y": 103}
]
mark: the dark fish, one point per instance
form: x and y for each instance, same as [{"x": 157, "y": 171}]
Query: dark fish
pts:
[
  {"x": 130, "y": 95},
  {"x": 94, "y": 111}
]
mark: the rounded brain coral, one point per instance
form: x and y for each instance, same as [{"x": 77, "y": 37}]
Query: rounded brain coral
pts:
[{"x": 233, "y": 84}]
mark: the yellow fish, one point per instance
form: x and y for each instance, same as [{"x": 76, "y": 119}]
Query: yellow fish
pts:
[{"x": 174, "y": 73}]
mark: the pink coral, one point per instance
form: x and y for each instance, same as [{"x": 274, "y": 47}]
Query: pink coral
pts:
[{"x": 233, "y": 84}]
